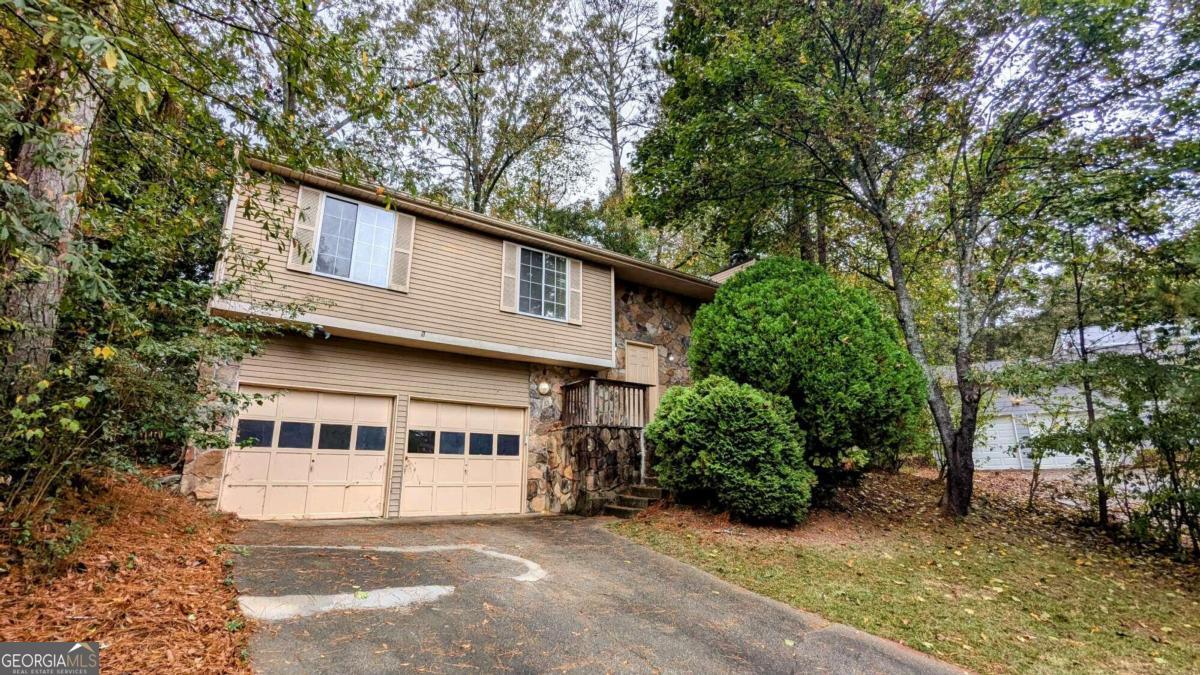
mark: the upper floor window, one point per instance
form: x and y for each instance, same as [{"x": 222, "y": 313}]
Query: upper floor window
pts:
[
  {"x": 355, "y": 242},
  {"x": 543, "y": 289}
]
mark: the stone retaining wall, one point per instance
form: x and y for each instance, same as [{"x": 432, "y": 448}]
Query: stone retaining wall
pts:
[{"x": 603, "y": 460}]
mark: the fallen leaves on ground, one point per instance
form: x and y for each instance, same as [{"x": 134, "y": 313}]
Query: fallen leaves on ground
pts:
[{"x": 151, "y": 583}]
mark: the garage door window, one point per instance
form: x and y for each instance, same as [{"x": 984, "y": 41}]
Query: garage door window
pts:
[
  {"x": 452, "y": 443},
  {"x": 296, "y": 434},
  {"x": 371, "y": 438},
  {"x": 334, "y": 437},
  {"x": 509, "y": 445},
  {"x": 255, "y": 433},
  {"x": 420, "y": 441},
  {"x": 481, "y": 444}
]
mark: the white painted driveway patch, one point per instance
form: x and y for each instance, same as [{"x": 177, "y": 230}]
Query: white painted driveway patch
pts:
[{"x": 280, "y": 607}]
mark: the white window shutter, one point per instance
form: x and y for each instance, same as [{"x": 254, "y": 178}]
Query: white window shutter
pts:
[
  {"x": 508, "y": 281},
  {"x": 304, "y": 230},
  {"x": 575, "y": 292},
  {"x": 402, "y": 248}
]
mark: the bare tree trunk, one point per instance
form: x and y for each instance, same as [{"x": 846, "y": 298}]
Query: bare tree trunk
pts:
[
  {"x": 614, "y": 144},
  {"x": 1088, "y": 396},
  {"x": 33, "y": 298},
  {"x": 822, "y": 243},
  {"x": 957, "y": 443}
]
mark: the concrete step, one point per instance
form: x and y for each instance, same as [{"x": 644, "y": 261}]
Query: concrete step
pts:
[
  {"x": 620, "y": 511},
  {"x": 634, "y": 501},
  {"x": 647, "y": 491}
]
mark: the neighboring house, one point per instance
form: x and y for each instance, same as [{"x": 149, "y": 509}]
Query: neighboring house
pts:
[
  {"x": 461, "y": 364},
  {"x": 1010, "y": 419}
]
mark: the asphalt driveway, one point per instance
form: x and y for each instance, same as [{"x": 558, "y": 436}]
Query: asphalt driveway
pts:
[{"x": 520, "y": 595}]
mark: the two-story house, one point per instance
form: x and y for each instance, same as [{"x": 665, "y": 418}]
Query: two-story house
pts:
[{"x": 451, "y": 354}]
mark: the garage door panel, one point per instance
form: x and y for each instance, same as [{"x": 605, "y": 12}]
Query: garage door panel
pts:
[
  {"x": 479, "y": 499},
  {"x": 299, "y": 405},
  {"x": 448, "y": 500},
  {"x": 481, "y": 471},
  {"x": 336, "y": 407},
  {"x": 267, "y": 407},
  {"x": 366, "y": 469},
  {"x": 452, "y": 416},
  {"x": 418, "y": 470},
  {"x": 422, "y": 415},
  {"x": 290, "y": 467},
  {"x": 416, "y": 499},
  {"x": 363, "y": 499},
  {"x": 330, "y": 468},
  {"x": 481, "y": 418},
  {"x": 285, "y": 501},
  {"x": 246, "y": 465},
  {"x": 508, "y": 471},
  {"x": 324, "y": 500},
  {"x": 244, "y": 500},
  {"x": 372, "y": 410},
  {"x": 448, "y": 471},
  {"x": 294, "y": 477},
  {"x": 506, "y": 495},
  {"x": 510, "y": 420}
]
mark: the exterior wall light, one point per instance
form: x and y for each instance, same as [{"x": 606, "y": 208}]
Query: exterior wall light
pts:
[{"x": 543, "y": 388}]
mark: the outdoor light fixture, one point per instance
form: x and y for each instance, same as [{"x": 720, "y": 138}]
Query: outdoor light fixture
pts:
[{"x": 543, "y": 387}]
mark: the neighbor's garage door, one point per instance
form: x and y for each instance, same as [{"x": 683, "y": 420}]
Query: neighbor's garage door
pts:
[
  {"x": 308, "y": 455},
  {"x": 462, "y": 459}
]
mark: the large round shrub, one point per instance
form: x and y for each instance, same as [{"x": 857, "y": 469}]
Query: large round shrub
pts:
[
  {"x": 788, "y": 328},
  {"x": 733, "y": 447}
]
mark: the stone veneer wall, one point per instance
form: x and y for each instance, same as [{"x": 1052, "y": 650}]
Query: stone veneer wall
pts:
[
  {"x": 655, "y": 317},
  {"x": 604, "y": 460},
  {"x": 568, "y": 474},
  {"x": 203, "y": 467}
]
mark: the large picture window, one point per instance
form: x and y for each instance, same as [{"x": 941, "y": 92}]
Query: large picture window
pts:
[
  {"x": 543, "y": 290},
  {"x": 355, "y": 242}
]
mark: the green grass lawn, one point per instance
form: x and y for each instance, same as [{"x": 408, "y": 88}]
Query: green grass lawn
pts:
[{"x": 1002, "y": 591}]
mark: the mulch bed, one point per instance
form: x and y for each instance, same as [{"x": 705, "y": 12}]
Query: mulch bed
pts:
[{"x": 150, "y": 583}]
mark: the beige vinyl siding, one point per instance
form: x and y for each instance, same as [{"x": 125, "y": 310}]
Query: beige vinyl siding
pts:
[
  {"x": 359, "y": 367},
  {"x": 454, "y": 289}
]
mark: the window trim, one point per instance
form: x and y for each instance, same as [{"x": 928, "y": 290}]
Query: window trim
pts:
[
  {"x": 566, "y": 274},
  {"x": 321, "y": 226}
]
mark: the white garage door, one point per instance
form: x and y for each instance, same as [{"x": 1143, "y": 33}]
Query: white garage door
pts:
[
  {"x": 462, "y": 460},
  {"x": 996, "y": 445},
  {"x": 305, "y": 454}
]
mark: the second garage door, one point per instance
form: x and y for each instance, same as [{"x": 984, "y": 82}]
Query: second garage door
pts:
[{"x": 462, "y": 460}]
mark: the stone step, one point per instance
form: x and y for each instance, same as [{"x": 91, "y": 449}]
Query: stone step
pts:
[
  {"x": 651, "y": 481},
  {"x": 634, "y": 501},
  {"x": 621, "y": 511},
  {"x": 647, "y": 491}
]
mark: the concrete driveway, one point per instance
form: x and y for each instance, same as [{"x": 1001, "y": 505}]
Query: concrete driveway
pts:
[{"x": 521, "y": 595}]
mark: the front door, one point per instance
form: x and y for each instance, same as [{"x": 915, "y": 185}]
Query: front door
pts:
[{"x": 641, "y": 366}]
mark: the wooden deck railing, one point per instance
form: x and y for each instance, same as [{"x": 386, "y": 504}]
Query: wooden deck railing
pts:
[{"x": 598, "y": 402}]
